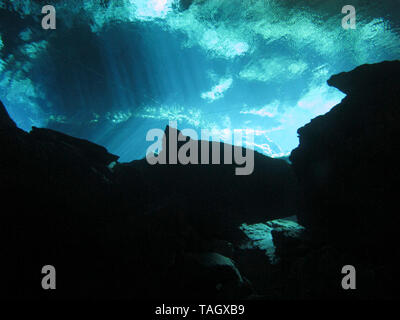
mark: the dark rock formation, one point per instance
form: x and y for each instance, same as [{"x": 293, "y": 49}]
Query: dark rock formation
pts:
[
  {"x": 125, "y": 230},
  {"x": 213, "y": 273},
  {"x": 288, "y": 239},
  {"x": 5, "y": 120},
  {"x": 92, "y": 152},
  {"x": 59, "y": 207},
  {"x": 345, "y": 166},
  {"x": 215, "y": 199}
]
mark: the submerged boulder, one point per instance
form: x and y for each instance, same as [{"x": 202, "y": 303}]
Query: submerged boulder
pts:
[
  {"x": 213, "y": 275},
  {"x": 288, "y": 238}
]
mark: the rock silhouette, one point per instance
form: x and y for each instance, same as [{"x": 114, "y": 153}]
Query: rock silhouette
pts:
[
  {"x": 344, "y": 166},
  {"x": 135, "y": 230},
  {"x": 124, "y": 230}
]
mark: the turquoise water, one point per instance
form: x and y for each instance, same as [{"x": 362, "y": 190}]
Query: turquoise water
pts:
[{"x": 114, "y": 69}]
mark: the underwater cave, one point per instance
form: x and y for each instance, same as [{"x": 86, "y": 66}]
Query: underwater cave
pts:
[{"x": 319, "y": 99}]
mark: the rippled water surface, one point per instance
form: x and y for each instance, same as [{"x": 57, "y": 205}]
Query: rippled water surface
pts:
[{"x": 114, "y": 69}]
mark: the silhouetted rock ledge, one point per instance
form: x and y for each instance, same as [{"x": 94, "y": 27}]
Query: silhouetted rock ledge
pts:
[
  {"x": 346, "y": 167},
  {"x": 127, "y": 230},
  {"x": 368, "y": 79},
  {"x": 216, "y": 200},
  {"x": 91, "y": 151}
]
